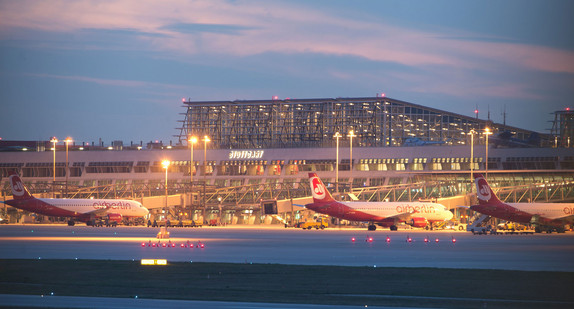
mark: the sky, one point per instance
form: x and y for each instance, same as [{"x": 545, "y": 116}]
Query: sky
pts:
[{"x": 118, "y": 70}]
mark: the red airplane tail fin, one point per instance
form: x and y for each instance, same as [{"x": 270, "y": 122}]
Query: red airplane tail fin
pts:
[
  {"x": 319, "y": 190},
  {"x": 19, "y": 191},
  {"x": 484, "y": 193}
]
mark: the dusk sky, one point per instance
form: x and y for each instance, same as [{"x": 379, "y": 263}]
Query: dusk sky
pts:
[{"x": 118, "y": 70}]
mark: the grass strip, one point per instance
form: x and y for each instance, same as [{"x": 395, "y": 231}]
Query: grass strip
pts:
[{"x": 278, "y": 283}]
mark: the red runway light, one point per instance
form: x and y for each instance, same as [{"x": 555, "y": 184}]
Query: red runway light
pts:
[
  {"x": 453, "y": 240},
  {"x": 409, "y": 239},
  {"x": 388, "y": 239},
  {"x": 143, "y": 244},
  {"x": 436, "y": 240},
  {"x": 164, "y": 245},
  {"x": 353, "y": 239}
]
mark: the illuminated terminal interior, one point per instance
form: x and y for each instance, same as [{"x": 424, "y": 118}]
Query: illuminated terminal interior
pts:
[{"x": 258, "y": 150}]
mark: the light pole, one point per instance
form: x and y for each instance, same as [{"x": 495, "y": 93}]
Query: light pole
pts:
[
  {"x": 192, "y": 140},
  {"x": 165, "y": 164},
  {"x": 337, "y": 136},
  {"x": 351, "y": 135},
  {"x": 205, "y": 141},
  {"x": 67, "y": 141},
  {"x": 220, "y": 210},
  {"x": 487, "y": 133},
  {"x": 54, "y": 140},
  {"x": 472, "y": 133}
]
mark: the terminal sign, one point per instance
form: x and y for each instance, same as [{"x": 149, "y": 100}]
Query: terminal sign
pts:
[{"x": 246, "y": 154}]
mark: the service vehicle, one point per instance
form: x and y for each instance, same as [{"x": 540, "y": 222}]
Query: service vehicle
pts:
[{"x": 319, "y": 223}]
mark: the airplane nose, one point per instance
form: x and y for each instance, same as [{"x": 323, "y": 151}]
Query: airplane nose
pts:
[{"x": 449, "y": 215}]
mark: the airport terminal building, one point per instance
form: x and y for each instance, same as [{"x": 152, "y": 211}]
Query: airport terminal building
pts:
[{"x": 248, "y": 151}]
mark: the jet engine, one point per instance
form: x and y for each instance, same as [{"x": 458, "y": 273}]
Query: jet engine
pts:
[
  {"x": 418, "y": 222},
  {"x": 115, "y": 217}
]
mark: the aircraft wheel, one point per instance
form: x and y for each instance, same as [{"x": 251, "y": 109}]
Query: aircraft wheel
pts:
[
  {"x": 71, "y": 223},
  {"x": 394, "y": 228},
  {"x": 372, "y": 227}
]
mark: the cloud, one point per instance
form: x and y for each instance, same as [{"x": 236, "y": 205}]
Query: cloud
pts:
[
  {"x": 109, "y": 82},
  {"x": 241, "y": 28},
  {"x": 448, "y": 61},
  {"x": 206, "y": 28}
]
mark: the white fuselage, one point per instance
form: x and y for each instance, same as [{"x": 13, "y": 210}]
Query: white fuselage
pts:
[
  {"x": 430, "y": 211},
  {"x": 126, "y": 208},
  {"x": 550, "y": 211}
]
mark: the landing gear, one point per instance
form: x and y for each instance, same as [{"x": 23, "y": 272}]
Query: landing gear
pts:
[
  {"x": 372, "y": 227},
  {"x": 394, "y": 228},
  {"x": 71, "y": 223}
]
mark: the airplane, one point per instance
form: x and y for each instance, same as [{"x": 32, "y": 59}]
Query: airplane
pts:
[
  {"x": 543, "y": 216},
  {"x": 385, "y": 214},
  {"x": 85, "y": 210}
]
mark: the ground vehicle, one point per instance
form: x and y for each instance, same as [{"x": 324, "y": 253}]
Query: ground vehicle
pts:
[
  {"x": 480, "y": 230},
  {"x": 457, "y": 226},
  {"x": 319, "y": 223},
  {"x": 175, "y": 223}
]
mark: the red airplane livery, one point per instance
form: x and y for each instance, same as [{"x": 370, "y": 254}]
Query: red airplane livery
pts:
[
  {"x": 84, "y": 210},
  {"x": 385, "y": 214},
  {"x": 543, "y": 216}
]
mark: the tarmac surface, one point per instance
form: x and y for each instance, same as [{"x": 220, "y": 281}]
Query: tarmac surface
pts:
[
  {"x": 278, "y": 245},
  {"x": 37, "y": 301}
]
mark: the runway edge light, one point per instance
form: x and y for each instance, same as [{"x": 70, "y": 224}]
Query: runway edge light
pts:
[{"x": 153, "y": 262}]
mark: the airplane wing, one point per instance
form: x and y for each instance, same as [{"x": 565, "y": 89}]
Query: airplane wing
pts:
[
  {"x": 99, "y": 212},
  {"x": 402, "y": 216},
  {"x": 569, "y": 218}
]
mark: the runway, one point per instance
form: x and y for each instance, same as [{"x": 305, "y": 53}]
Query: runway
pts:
[{"x": 277, "y": 245}]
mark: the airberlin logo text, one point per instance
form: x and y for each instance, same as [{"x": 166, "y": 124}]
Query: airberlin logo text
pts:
[
  {"x": 114, "y": 205},
  {"x": 569, "y": 210},
  {"x": 418, "y": 209}
]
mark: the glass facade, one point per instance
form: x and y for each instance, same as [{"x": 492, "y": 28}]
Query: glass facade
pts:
[{"x": 304, "y": 123}]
